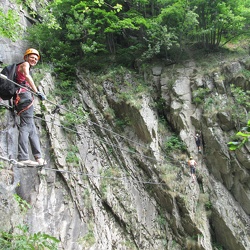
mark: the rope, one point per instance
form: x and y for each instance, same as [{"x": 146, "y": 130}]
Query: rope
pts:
[
  {"x": 67, "y": 110},
  {"x": 102, "y": 177},
  {"x": 107, "y": 143},
  {"x": 11, "y": 161},
  {"x": 104, "y": 142},
  {"x": 57, "y": 107}
]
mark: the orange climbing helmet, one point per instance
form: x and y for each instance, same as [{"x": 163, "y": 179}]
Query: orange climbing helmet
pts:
[{"x": 31, "y": 51}]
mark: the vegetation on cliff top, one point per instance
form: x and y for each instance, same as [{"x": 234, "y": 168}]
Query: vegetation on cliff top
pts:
[{"x": 95, "y": 33}]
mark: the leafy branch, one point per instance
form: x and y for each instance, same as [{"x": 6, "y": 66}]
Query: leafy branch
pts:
[
  {"x": 24, "y": 240},
  {"x": 243, "y": 137}
]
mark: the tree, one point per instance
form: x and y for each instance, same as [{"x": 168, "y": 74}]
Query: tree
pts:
[
  {"x": 99, "y": 32},
  {"x": 88, "y": 30},
  {"x": 180, "y": 18},
  {"x": 220, "y": 21}
]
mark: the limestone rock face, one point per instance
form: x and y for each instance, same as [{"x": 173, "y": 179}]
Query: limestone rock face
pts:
[
  {"x": 223, "y": 166},
  {"x": 98, "y": 193}
]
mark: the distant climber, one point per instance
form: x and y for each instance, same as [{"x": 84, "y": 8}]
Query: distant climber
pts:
[
  {"x": 192, "y": 164},
  {"x": 25, "y": 109},
  {"x": 197, "y": 138}
]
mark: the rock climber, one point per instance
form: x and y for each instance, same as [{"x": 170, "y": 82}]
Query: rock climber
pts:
[
  {"x": 197, "y": 138},
  {"x": 192, "y": 164},
  {"x": 25, "y": 109}
]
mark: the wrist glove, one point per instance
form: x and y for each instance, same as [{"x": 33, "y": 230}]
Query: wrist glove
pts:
[{"x": 41, "y": 96}]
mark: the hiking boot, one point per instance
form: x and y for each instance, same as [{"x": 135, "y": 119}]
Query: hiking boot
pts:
[
  {"x": 41, "y": 162},
  {"x": 29, "y": 163}
]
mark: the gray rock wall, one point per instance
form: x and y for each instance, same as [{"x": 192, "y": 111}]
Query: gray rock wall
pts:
[
  {"x": 12, "y": 51},
  {"x": 216, "y": 128},
  {"x": 111, "y": 197}
]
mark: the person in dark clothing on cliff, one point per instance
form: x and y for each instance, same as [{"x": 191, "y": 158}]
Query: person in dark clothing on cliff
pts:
[
  {"x": 25, "y": 109},
  {"x": 197, "y": 138}
]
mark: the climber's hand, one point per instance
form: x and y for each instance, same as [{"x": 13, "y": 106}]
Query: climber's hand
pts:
[{"x": 41, "y": 96}]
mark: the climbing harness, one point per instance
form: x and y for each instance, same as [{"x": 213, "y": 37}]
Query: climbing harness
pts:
[{"x": 27, "y": 107}]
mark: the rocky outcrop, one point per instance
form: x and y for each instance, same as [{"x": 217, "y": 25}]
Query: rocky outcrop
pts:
[
  {"x": 224, "y": 168},
  {"x": 108, "y": 186}
]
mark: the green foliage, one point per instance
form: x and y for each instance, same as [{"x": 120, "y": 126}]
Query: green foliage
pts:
[
  {"x": 89, "y": 239},
  {"x": 122, "y": 122},
  {"x": 72, "y": 155},
  {"x": 132, "y": 93},
  {"x": 70, "y": 119},
  {"x": 200, "y": 94},
  {"x": 181, "y": 19},
  {"x": 87, "y": 29},
  {"x": 208, "y": 205},
  {"x": 159, "y": 40},
  {"x": 174, "y": 143},
  {"x": 217, "y": 246},
  {"x": 241, "y": 103},
  {"x": 129, "y": 88},
  {"x": 235, "y": 105},
  {"x": 66, "y": 90},
  {"x": 2, "y": 110},
  {"x": 161, "y": 220},
  {"x": 94, "y": 34},
  {"x": 61, "y": 53},
  {"x": 26, "y": 241},
  {"x": 169, "y": 173},
  {"x": 110, "y": 176},
  {"x": 130, "y": 245},
  {"x": 160, "y": 105},
  {"x": 23, "y": 204},
  {"x": 9, "y": 25},
  {"x": 109, "y": 113},
  {"x": 241, "y": 97},
  {"x": 204, "y": 199},
  {"x": 246, "y": 73},
  {"x": 242, "y": 136},
  {"x": 219, "y": 21}
]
